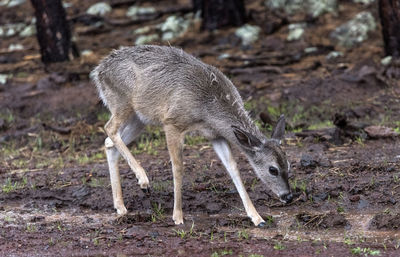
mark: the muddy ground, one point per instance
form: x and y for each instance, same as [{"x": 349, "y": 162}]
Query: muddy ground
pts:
[{"x": 55, "y": 196}]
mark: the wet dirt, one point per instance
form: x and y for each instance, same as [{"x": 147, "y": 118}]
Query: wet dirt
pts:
[{"x": 55, "y": 196}]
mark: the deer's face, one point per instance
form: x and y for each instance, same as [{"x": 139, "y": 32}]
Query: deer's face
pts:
[
  {"x": 268, "y": 159},
  {"x": 271, "y": 166}
]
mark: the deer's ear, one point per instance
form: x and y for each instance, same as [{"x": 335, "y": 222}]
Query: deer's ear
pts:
[
  {"x": 279, "y": 130},
  {"x": 246, "y": 139}
]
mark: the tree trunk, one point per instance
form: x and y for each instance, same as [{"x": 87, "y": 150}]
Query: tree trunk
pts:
[
  {"x": 389, "y": 12},
  {"x": 220, "y": 13},
  {"x": 53, "y": 31}
]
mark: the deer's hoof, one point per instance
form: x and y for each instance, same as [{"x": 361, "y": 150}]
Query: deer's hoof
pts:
[
  {"x": 261, "y": 224},
  {"x": 144, "y": 183},
  {"x": 146, "y": 190}
]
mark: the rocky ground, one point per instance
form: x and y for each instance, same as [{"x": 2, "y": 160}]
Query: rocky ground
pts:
[{"x": 342, "y": 106}]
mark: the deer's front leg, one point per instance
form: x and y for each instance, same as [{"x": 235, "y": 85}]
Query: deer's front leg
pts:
[
  {"x": 175, "y": 147},
  {"x": 224, "y": 152}
]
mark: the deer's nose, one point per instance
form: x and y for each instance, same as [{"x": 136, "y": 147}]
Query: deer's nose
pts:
[{"x": 287, "y": 198}]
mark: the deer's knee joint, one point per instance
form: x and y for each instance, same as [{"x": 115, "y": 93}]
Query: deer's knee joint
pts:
[{"x": 108, "y": 143}]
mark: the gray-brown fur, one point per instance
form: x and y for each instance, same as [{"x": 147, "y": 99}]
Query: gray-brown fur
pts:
[{"x": 166, "y": 86}]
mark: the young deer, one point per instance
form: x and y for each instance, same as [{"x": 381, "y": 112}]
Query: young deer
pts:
[{"x": 164, "y": 85}]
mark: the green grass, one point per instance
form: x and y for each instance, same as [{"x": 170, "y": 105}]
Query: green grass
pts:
[
  {"x": 243, "y": 235},
  {"x": 103, "y": 116},
  {"x": 10, "y": 186},
  {"x": 279, "y": 246},
  {"x": 158, "y": 212},
  {"x": 365, "y": 251}
]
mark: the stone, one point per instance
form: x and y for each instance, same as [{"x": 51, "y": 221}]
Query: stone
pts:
[
  {"x": 9, "y": 30},
  {"x": 174, "y": 27},
  {"x": 314, "y": 8},
  {"x": 386, "y": 60},
  {"x": 380, "y": 132},
  {"x": 134, "y": 11},
  {"x": 145, "y": 39},
  {"x": 28, "y": 31},
  {"x": 354, "y": 31},
  {"x": 15, "y": 47},
  {"x": 11, "y": 3},
  {"x": 365, "y": 2},
  {"x": 307, "y": 161},
  {"x": 333, "y": 55},
  {"x": 296, "y": 31},
  {"x": 3, "y": 79},
  {"x": 248, "y": 33},
  {"x": 100, "y": 9}
]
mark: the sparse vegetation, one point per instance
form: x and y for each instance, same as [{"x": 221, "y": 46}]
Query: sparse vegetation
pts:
[
  {"x": 365, "y": 251},
  {"x": 279, "y": 246},
  {"x": 243, "y": 234},
  {"x": 158, "y": 212}
]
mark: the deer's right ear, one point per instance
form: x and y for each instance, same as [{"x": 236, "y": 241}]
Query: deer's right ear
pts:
[
  {"x": 246, "y": 139},
  {"x": 279, "y": 130}
]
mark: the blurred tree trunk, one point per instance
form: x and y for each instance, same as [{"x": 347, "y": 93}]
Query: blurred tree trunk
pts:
[
  {"x": 53, "y": 31},
  {"x": 220, "y": 13},
  {"x": 389, "y": 12}
]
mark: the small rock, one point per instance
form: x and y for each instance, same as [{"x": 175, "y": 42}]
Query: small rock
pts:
[
  {"x": 174, "y": 27},
  {"x": 310, "y": 50},
  {"x": 11, "y": 3},
  {"x": 387, "y": 60},
  {"x": 320, "y": 197},
  {"x": 142, "y": 30},
  {"x": 15, "y": 47},
  {"x": 66, "y": 5},
  {"x": 145, "y": 39},
  {"x": 365, "y": 2},
  {"x": 248, "y": 33},
  {"x": 213, "y": 207},
  {"x": 307, "y": 161},
  {"x": 362, "y": 204},
  {"x": 354, "y": 198},
  {"x": 134, "y": 11},
  {"x": 86, "y": 52},
  {"x": 314, "y": 8},
  {"x": 333, "y": 55},
  {"x": 356, "y": 30},
  {"x": 9, "y": 30},
  {"x": 28, "y": 31},
  {"x": 296, "y": 31},
  {"x": 380, "y": 132},
  {"x": 100, "y": 9},
  {"x": 318, "y": 7},
  {"x": 3, "y": 79},
  {"x": 154, "y": 234},
  {"x": 223, "y": 56}
]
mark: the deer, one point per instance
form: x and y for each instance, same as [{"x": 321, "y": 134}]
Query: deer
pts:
[{"x": 163, "y": 85}]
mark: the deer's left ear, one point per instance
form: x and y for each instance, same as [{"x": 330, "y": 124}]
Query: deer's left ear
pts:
[
  {"x": 246, "y": 139},
  {"x": 279, "y": 130}
]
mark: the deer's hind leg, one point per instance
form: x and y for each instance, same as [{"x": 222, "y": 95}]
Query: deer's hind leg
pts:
[{"x": 128, "y": 133}]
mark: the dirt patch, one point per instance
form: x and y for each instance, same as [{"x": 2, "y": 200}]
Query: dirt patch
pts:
[
  {"x": 321, "y": 221},
  {"x": 55, "y": 194},
  {"x": 389, "y": 221}
]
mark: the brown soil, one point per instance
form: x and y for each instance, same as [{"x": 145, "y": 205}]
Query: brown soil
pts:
[{"x": 55, "y": 196}]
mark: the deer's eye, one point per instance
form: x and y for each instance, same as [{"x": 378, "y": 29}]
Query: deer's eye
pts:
[{"x": 273, "y": 170}]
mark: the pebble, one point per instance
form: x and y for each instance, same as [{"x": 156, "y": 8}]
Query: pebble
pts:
[
  {"x": 307, "y": 161},
  {"x": 100, "y": 9}
]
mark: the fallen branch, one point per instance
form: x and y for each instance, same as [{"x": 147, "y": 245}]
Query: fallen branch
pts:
[{"x": 61, "y": 130}]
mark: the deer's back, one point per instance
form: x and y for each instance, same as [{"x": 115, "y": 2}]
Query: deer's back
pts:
[{"x": 164, "y": 84}]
